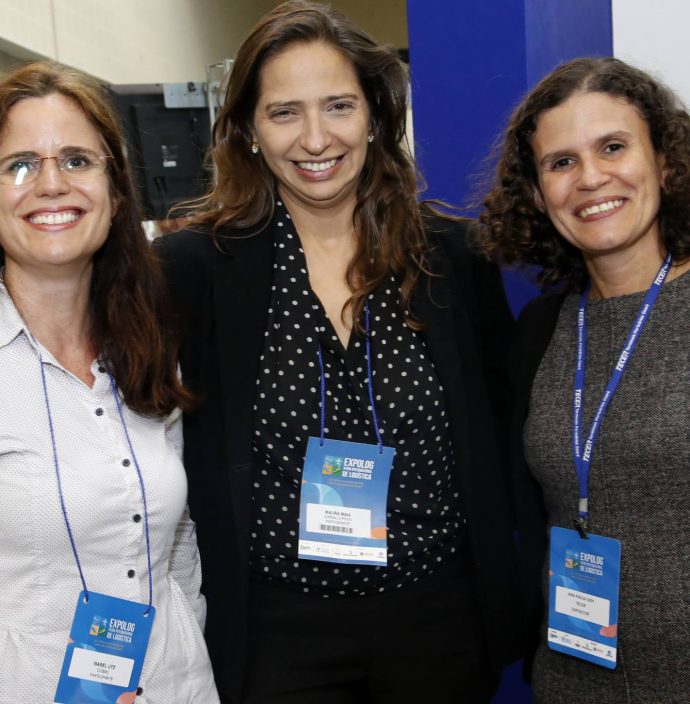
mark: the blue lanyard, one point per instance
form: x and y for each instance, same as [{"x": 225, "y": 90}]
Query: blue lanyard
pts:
[
  {"x": 583, "y": 456},
  {"x": 56, "y": 463},
  {"x": 370, "y": 384}
]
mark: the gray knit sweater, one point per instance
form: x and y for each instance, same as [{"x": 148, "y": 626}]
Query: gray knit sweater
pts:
[{"x": 639, "y": 491}]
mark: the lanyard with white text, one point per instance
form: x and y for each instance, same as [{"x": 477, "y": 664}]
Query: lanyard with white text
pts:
[
  {"x": 56, "y": 463},
  {"x": 583, "y": 456},
  {"x": 370, "y": 385}
]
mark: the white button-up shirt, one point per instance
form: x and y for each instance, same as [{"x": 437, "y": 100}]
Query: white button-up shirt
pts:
[{"x": 39, "y": 580}]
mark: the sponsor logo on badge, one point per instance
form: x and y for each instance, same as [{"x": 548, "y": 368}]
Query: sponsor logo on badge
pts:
[
  {"x": 332, "y": 465},
  {"x": 572, "y": 559},
  {"x": 99, "y": 626}
]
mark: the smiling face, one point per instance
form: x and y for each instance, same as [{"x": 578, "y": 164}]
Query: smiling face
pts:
[
  {"x": 51, "y": 222},
  {"x": 311, "y": 123},
  {"x": 599, "y": 177}
]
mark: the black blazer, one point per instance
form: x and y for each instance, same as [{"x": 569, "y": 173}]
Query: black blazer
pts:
[
  {"x": 534, "y": 331},
  {"x": 222, "y": 293}
]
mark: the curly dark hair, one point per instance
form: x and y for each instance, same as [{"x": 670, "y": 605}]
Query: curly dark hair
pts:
[
  {"x": 130, "y": 320},
  {"x": 387, "y": 217},
  {"x": 515, "y": 230}
]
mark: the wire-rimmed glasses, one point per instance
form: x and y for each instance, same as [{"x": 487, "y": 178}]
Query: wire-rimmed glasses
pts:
[{"x": 76, "y": 163}]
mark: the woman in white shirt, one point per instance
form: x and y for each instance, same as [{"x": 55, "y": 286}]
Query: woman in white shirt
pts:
[{"x": 92, "y": 488}]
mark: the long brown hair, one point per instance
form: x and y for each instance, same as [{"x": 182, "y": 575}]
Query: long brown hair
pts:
[
  {"x": 387, "y": 217},
  {"x": 515, "y": 230},
  {"x": 130, "y": 322}
]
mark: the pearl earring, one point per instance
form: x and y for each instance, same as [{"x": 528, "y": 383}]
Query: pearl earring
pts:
[
  {"x": 255, "y": 148},
  {"x": 370, "y": 138}
]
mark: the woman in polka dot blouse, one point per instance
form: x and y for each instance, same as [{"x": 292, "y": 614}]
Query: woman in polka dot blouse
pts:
[{"x": 320, "y": 303}]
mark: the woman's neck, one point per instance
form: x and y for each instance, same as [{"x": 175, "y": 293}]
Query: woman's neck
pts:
[
  {"x": 328, "y": 242},
  {"x": 326, "y": 235},
  {"x": 332, "y": 226},
  {"x": 628, "y": 272},
  {"x": 56, "y": 310}
]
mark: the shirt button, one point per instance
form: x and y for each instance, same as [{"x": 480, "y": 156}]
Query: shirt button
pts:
[
  {"x": 101, "y": 370},
  {"x": 136, "y": 518},
  {"x": 99, "y": 411},
  {"x": 140, "y": 690},
  {"x": 130, "y": 573},
  {"x": 126, "y": 463}
]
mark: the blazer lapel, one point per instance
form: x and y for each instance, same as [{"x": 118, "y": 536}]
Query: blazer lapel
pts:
[
  {"x": 241, "y": 299},
  {"x": 438, "y": 304}
]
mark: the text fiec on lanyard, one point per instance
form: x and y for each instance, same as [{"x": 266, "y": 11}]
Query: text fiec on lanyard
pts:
[
  {"x": 109, "y": 636},
  {"x": 584, "y": 568},
  {"x": 583, "y": 455}
]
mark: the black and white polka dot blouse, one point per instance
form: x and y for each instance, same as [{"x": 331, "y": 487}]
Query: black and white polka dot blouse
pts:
[{"x": 424, "y": 522}]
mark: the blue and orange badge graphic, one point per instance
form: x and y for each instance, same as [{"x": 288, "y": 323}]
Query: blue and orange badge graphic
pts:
[
  {"x": 99, "y": 627},
  {"x": 332, "y": 466},
  {"x": 572, "y": 559},
  {"x": 584, "y": 581}
]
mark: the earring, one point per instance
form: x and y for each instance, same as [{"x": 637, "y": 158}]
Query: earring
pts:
[
  {"x": 370, "y": 138},
  {"x": 255, "y": 148}
]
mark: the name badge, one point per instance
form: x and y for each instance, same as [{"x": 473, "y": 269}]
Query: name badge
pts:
[
  {"x": 343, "y": 502},
  {"x": 106, "y": 651},
  {"x": 584, "y": 580}
]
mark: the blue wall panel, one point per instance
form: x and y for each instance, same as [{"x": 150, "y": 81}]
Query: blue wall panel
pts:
[
  {"x": 468, "y": 67},
  {"x": 471, "y": 62},
  {"x": 559, "y": 30}
]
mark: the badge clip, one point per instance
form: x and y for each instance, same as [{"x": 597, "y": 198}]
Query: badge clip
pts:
[{"x": 580, "y": 524}]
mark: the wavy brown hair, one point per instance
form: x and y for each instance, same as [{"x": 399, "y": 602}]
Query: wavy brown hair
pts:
[
  {"x": 515, "y": 230},
  {"x": 130, "y": 322},
  {"x": 387, "y": 217}
]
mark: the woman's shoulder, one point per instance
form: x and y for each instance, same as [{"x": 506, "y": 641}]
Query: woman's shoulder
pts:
[
  {"x": 194, "y": 241},
  {"x": 185, "y": 257},
  {"x": 541, "y": 311},
  {"x": 535, "y": 328},
  {"x": 207, "y": 243},
  {"x": 450, "y": 232},
  {"x": 197, "y": 249},
  {"x": 450, "y": 245},
  {"x": 454, "y": 252}
]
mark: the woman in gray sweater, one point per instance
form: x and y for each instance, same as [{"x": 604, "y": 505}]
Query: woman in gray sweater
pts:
[{"x": 593, "y": 188}]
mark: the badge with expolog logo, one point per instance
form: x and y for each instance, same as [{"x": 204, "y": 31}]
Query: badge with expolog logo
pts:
[
  {"x": 584, "y": 581},
  {"x": 106, "y": 651},
  {"x": 343, "y": 502}
]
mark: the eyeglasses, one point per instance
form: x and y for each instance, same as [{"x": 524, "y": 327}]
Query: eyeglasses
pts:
[{"x": 76, "y": 163}]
